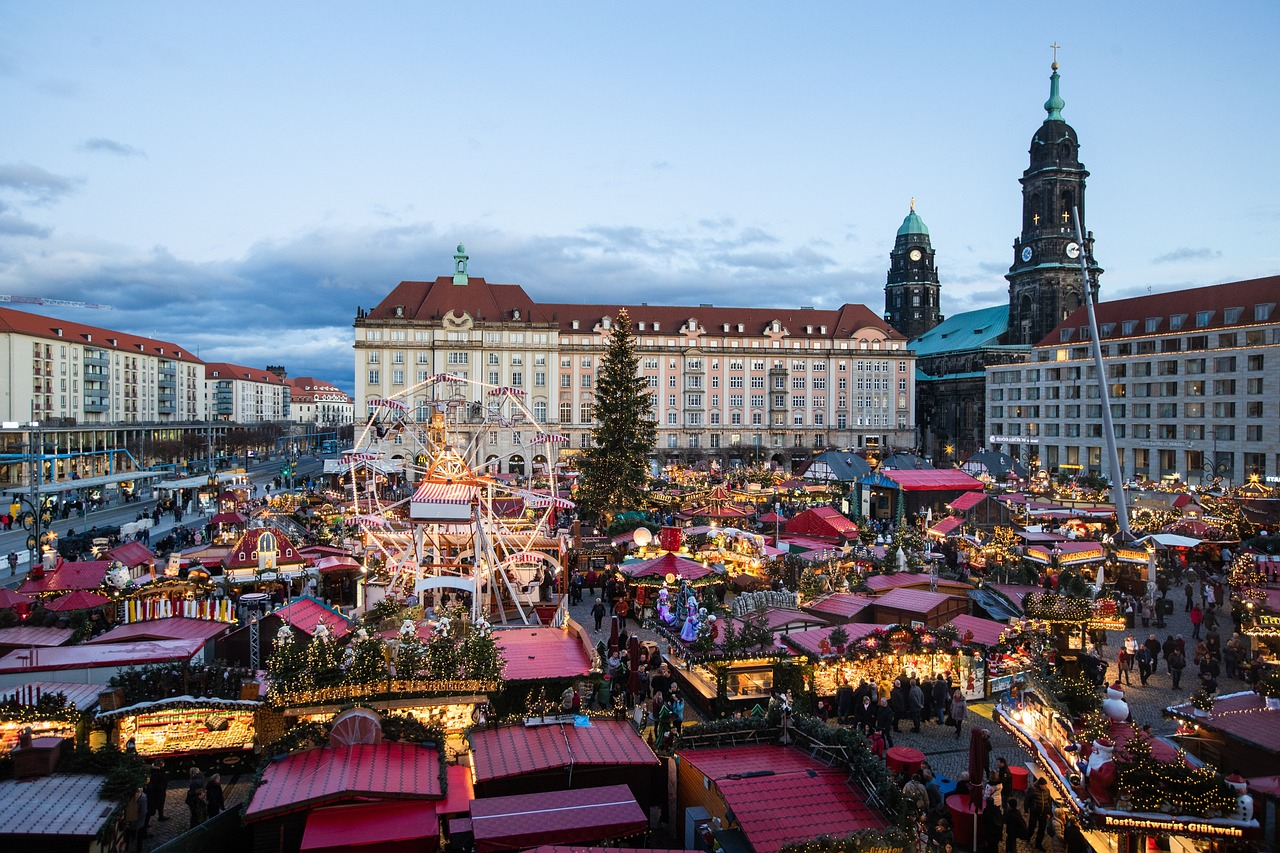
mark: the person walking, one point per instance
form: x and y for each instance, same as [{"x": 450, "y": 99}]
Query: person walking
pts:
[
  {"x": 621, "y": 609},
  {"x": 1197, "y": 617},
  {"x": 1144, "y": 664},
  {"x": 198, "y": 805},
  {"x": 844, "y": 701},
  {"x": 213, "y": 795},
  {"x": 1124, "y": 662},
  {"x": 915, "y": 704},
  {"x": 1015, "y": 827},
  {"x": 157, "y": 789},
  {"x": 1190, "y": 590},
  {"x": 884, "y": 721},
  {"x": 941, "y": 697},
  {"x": 992, "y": 826},
  {"x": 1177, "y": 663},
  {"x": 1039, "y": 804},
  {"x": 959, "y": 708},
  {"x": 13, "y": 563},
  {"x": 597, "y": 613}
]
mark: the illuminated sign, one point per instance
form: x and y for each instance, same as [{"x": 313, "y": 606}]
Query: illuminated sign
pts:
[
  {"x": 1172, "y": 826},
  {"x": 1012, "y": 439}
]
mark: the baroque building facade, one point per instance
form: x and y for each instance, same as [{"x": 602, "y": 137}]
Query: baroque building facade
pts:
[{"x": 730, "y": 385}]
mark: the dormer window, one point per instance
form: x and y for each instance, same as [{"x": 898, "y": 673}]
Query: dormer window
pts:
[
  {"x": 1203, "y": 318},
  {"x": 822, "y": 330},
  {"x": 1232, "y": 316},
  {"x": 808, "y": 330},
  {"x": 1128, "y": 327},
  {"x": 641, "y": 325},
  {"x": 740, "y": 328},
  {"x": 1153, "y": 324},
  {"x": 1066, "y": 334},
  {"x": 776, "y": 326},
  {"x": 655, "y": 325},
  {"x": 1176, "y": 321},
  {"x": 1262, "y": 312},
  {"x": 605, "y": 322},
  {"x": 725, "y": 327},
  {"x": 575, "y": 324}
]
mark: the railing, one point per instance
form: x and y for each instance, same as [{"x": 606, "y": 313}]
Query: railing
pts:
[{"x": 224, "y": 831}]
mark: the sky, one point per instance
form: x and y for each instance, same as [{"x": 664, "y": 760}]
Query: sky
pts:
[{"x": 239, "y": 177}]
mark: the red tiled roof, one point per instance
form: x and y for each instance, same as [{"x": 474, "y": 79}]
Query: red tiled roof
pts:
[
  {"x": 68, "y": 576},
  {"x": 88, "y": 656},
  {"x": 29, "y": 635},
  {"x": 1243, "y": 717},
  {"x": 799, "y": 798},
  {"x": 305, "y": 389},
  {"x": 227, "y": 370},
  {"x": 515, "y": 750},
  {"x": 535, "y": 653},
  {"x": 305, "y": 613},
  {"x": 919, "y": 601},
  {"x": 1216, "y": 298},
  {"x": 967, "y": 501},
  {"x": 822, "y": 521},
  {"x": 431, "y": 300},
  {"x": 41, "y": 326},
  {"x": 348, "y": 827},
  {"x": 131, "y": 554},
  {"x": 777, "y": 618},
  {"x": 843, "y": 604},
  {"x": 327, "y": 775},
  {"x": 173, "y": 628},
  {"x": 986, "y": 632},
  {"x": 940, "y": 480},
  {"x": 563, "y": 817},
  {"x": 810, "y": 642},
  {"x": 80, "y": 696}
]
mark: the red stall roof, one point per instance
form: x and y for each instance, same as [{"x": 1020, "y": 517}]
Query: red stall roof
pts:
[
  {"x": 67, "y": 577},
  {"x": 515, "y": 750},
  {"x": 810, "y": 642},
  {"x": 798, "y": 798},
  {"x": 967, "y": 501},
  {"x": 556, "y": 817},
  {"x": 459, "y": 793},
  {"x": 667, "y": 564},
  {"x": 940, "y": 480},
  {"x": 986, "y": 632},
  {"x": 944, "y": 527},
  {"x": 822, "y": 521},
  {"x": 131, "y": 554},
  {"x": 913, "y": 600},
  {"x": 305, "y": 613},
  {"x": 94, "y": 656},
  {"x": 845, "y": 605},
  {"x": 30, "y": 635},
  {"x": 1243, "y": 717},
  {"x": 882, "y": 583},
  {"x": 536, "y": 653},
  {"x": 340, "y": 827},
  {"x": 326, "y": 775},
  {"x": 173, "y": 628}
]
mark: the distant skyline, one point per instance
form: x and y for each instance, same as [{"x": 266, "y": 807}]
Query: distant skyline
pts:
[{"x": 240, "y": 177}]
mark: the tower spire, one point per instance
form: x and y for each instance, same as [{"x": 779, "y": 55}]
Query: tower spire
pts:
[{"x": 1054, "y": 105}]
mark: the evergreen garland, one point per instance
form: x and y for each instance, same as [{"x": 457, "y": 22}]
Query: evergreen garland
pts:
[{"x": 368, "y": 662}]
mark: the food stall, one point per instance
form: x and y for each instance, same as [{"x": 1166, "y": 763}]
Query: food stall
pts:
[
  {"x": 183, "y": 725},
  {"x": 884, "y": 652},
  {"x": 49, "y": 709}
]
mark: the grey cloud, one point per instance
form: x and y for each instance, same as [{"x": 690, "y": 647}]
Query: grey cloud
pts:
[
  {"x": 1187, "y": 254},
  {"x": 38, "y": 184},
  {"x": 19, "y": 227},
  {"x": 101, "y": 145}
]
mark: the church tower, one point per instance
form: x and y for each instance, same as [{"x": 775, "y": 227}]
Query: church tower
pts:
[
  {"x": 911, "y": 290},
  {"x": 1044, "y": 281}
]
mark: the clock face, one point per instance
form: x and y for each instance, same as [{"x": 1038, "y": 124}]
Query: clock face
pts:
[
  {"x": 1026, "y": 254},
  {"x": 1073, "y": 250},
  {"x": 915, "y": 255}
]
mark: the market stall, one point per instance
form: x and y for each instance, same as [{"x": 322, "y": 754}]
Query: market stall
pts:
[
  {"x": 878, "y": 653},
  {"x": 183, "y": 725},
  {"x": 47, "y": 708}
]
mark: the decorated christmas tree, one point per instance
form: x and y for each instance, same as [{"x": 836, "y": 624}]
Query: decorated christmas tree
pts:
[
  {"x": 368, "y": 659},
  {"x": 481, "y": 660},
  {"x": 324, "y": 658},
  {"x": 287, "y": 663}
]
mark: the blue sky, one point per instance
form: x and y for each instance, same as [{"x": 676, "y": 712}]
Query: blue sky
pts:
[{"x": 241, "y": 176}]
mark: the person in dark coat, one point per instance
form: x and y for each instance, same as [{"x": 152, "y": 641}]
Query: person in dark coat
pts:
[
  {"x": 884, "y": 721},
  {"x": 941, "y": 693},
  {"x": 157, "y": 787},
  {"x": 1015, "y": 827},
  {"x": 1039, "y": 811},
  {"x": 867, "y": 715},
  {"x": 213, "y": 795},
  {"x": 992, "y": 827},
  {"x": 915, "y": 704},
  {"x": 844, "y": 702},
  {"x": 1005, "y": 777},
  {"x": 898, "y": 702}
]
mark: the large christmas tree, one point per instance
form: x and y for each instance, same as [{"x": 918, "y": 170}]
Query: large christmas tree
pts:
[{"x": 615, "y": 471}]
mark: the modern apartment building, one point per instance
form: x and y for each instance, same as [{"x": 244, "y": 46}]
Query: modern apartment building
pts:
[
  {"x": 736, "y": 384},
  {"x": 1194, "y": 384},
  {"x": 245, "y": 395}
]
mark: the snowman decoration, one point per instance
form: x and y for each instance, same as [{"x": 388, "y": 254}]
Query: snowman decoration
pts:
[
  {"x": 1244, "y": 802},
  {"x": 408, "y": 630},
  {"x": 1115, "y": 706}
]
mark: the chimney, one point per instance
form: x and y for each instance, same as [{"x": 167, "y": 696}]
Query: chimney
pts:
[{"x": 36, "y": 757}]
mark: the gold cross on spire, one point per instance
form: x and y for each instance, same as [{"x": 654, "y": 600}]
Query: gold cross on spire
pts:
[
  {"x": 913, "y": 202},
  {"x": 1056, "y": 47}
]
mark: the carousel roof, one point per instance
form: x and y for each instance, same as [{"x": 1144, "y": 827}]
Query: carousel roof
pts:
[{"x": 668, "y": 564}]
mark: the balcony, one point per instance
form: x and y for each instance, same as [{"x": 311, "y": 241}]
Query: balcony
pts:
[{"x": 100, "y": 359}]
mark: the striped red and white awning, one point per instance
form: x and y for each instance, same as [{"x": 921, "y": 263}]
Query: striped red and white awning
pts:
[
  {"x": 361, "y": 457},
  {"x": 507, "y": 391},
  {"x": 540, "y": 500},
  {"x": 371, "y": 521},
  {"x": 446, "y": 377},
  {"x": 444, "y": 493},
  {"x": 549, "y": 438},
  {"x": 390, "y": 404}
]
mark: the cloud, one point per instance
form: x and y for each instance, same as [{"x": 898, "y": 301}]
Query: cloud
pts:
[
  {"x": 102, "y": 145},
  {"x": 39, "y": 185},
  {"x": 16, "y": 226},
  {"x": 1187, "y": 254}
]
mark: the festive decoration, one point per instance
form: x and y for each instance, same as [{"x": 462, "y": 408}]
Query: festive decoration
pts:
[
  {"x": 1174, "y": 786},
  {"x": 903, "y": 639}
]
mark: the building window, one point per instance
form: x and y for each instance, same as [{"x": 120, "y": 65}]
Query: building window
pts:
[
  {"x": 584, "y": 412},
  {"x": 374, "y": 377},
  {"x": 566, "y": 413}
]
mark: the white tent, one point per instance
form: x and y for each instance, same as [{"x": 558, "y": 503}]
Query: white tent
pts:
[{"x": 1172, "y": 540}]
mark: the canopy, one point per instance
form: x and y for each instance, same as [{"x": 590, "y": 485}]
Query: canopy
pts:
[
  {"x": 556, "y": 817},
  {"x": 341, "y": 827},
  {"x": 78, "y": 600},
  {"x": 9, "y": 598},
  {"x": 1172, "y": 540},
  {"x": 667, "y": 564},
  {"x": 336, "y": 564}
]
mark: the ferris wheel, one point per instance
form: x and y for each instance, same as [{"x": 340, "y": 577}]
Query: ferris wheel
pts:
[{"x": 457, "y": 496}]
